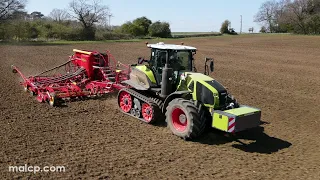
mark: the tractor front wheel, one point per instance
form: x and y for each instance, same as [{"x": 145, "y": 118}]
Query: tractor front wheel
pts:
[{"x": 183, "y": 119}]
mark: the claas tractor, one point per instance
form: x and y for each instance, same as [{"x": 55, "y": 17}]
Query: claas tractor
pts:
[{"x": 168, "y": 86}]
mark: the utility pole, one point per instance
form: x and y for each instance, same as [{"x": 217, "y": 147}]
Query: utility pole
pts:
[
  {"x": 110, "y": 15},
  {"x": 241, "y": 24}
]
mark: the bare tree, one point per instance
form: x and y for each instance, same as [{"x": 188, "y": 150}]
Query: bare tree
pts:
[
  {"x": 59, "y": 15},
  {"x": 267, "y": 14},
  {"x": 8, "y": 7},
  {"x": 282, "y": 6},
  {"x": 89, "y": 14}
]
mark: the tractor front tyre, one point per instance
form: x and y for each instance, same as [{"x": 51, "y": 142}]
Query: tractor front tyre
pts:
[{"x": 183, "y": 119}]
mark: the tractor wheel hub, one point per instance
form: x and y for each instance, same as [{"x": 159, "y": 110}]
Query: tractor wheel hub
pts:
[{"x": 182, "y": 118}]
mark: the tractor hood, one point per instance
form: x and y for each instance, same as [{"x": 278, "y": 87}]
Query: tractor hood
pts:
[{"x": 205, "y": 89}]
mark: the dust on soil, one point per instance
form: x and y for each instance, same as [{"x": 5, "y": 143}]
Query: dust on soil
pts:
[{"x": 93, "y": 139}]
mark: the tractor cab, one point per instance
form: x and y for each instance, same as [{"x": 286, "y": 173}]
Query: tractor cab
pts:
[{"x": 180, "y": 59}]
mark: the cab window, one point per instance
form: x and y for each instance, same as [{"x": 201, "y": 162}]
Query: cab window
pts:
[{"x": 181, "y": 60}]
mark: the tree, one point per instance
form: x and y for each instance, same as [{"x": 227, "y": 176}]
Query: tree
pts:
[
  {"x": 267, "y": 14},
  {"x": 19, "y": 15},
  {"x": 20, "y": 29},
  {"x": 313, "y": 23},
  {"x": 132, "y": 29},
  {"x": 59, "y": 15},
  {"x": 144, "y": 23},
  {"x": 138, "y": 27},
  {"x": 89, "y": 15},
  {"x": 299, "y": 16},
  {"x": 263, "y": 29},
  {"x": 225, "y": 27},
  {"x": 8, "y": 7},
  {"x": 36, "y": 15},
  {"x": 160, "y": 29}
]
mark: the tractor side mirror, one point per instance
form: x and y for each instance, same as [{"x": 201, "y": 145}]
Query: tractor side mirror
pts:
[
  {"x": 140, "y": 60},
  {"x": 212, "y": 66},
  {"x": 208, "y": 68}
]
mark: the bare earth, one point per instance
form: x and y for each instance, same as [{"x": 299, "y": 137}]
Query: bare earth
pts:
[{"x": 93, "y": 139}]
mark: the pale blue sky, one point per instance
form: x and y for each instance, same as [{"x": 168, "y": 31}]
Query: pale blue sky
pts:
[{"x": 183, "y": 15}]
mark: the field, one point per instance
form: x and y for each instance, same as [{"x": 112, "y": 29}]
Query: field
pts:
[
  {"x": 194, "y": 34},
  {"x": 190, "y": 33},
  {"x": 93, "y": 139}
]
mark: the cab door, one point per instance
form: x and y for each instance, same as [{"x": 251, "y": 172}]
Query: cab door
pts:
[{"x": 157, "y": 62}]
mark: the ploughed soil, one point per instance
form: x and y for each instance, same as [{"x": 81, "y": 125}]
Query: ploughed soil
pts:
[{"x": 93, "y": 139}]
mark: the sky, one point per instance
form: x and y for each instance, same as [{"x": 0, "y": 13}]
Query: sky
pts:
[{"x": 183, "y": 15}]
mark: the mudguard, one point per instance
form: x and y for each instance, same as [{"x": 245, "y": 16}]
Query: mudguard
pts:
[{"x": 172, "y": 96}]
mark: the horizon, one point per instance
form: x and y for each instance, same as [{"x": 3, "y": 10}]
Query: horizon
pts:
[{"x": 208, "y": 15}]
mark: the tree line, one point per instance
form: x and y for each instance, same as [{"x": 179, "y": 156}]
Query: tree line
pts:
[
  {"x": 290, "y": 16},
  {"x": 82, "y": 20}
]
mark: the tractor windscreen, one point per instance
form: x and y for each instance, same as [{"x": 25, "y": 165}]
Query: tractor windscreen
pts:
[{"x": 181, "y": 60}]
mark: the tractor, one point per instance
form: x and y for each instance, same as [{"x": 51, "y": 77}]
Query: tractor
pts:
[{"x": 168, "y": 87}]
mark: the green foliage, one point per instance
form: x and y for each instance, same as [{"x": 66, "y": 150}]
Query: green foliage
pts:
[
  {"x": 21, "y": 30},
  {"x": 6, "y": 31},
  {"x": 35, "y": 27},
  {"x": 138, "y": 27},
  {"x": 225, "y": 27},
  {"x": 40, "y": 29},
  {"x": 132, "y": 29},
  {"x": 112, "y": 36},
  {"x": 141, "y": 27},
  {"x": 160, "y": 29},
  {"x": 313, "y": 24},
  {"x": 144, "y": 23},
  {"x": 88, "y": 33},
  {"x": 284, "y": 28},
  {"x": 263, "y": 29}
]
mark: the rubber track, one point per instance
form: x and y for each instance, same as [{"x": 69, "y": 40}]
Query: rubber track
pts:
[{"x": 144, "y": 99}]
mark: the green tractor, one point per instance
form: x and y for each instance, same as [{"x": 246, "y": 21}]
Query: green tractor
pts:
[{"x": 168, "y": 86}]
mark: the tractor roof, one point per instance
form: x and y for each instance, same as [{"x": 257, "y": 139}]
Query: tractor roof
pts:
[{"x": 161, "y": 45}]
